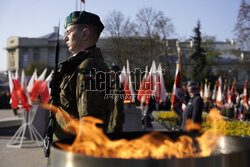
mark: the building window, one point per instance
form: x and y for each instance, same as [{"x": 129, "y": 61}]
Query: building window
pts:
[
  {"x": 51, "y": 56},
  {"x": 25, "y": 60},
  {"x": 36, "y": 54}
]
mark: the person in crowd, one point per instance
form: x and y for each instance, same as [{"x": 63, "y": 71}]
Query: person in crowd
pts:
[{"x": 194, "y": 106}]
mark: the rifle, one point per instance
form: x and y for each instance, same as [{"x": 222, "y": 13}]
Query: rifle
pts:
[{"x": 53, "y": 100}]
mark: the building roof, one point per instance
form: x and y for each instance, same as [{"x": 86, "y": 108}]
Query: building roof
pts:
[{"x": 53, "y": 35}]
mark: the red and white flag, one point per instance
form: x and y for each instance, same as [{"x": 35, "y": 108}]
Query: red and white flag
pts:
[
  {"x": 125, "y": 79},
  {"x": 206, "y": 91},
  {"x": 142, "y": 89},
  {"x": 176, "y": 97},
  {"x": 25, "y": 99},
  {"x": 245, "y": 95},
  {"x": 150, "y": 83},
  {"x": 232, "y": 98},
  {"x": 214, "y": 92},
  {"x": 35, "y": 90},
  {"x": 13, "y": 94},
  {"x": 44, "y": 91},
  {"x": 122, "y": 76},
  {"x": 201, "y": 91},
  {"x": 160, "y": 91},
  {"x": 219, "y": 93},
  {"x": 17, "y": 86},
  {"x": 32, "y": 81}
]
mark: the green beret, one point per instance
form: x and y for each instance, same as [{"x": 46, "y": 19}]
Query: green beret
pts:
[{"x": 83, "y": 17}]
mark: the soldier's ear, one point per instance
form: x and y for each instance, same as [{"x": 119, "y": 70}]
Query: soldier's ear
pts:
[{"x": 85, "y": 33}]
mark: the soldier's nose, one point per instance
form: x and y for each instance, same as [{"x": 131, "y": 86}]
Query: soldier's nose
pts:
[{"x": 65, "y": 38}]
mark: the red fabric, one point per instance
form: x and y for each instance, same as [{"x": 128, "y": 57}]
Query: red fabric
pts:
[
  {"x": 44, "y": 92},
  {"x": 149, "y": 88},
  {"x": 83, "y": 1},
  {"x": 14, "y": 99},
  {"x": 158, "y": 89},
  {"x": 35, "y": 90},
  {"x": 20, "y": 95},
  {"x": 24, "y": 100},
  {"x": 232, "y": 97},
  {"x": 176, "y": 97},
  {"x": 227, "y": 95},
  {"x": 219, "y": 93},
  {"x": 142, "y": 90},
  {"x": 126, "y": 89},
  {"x": 245, "y": 94}
]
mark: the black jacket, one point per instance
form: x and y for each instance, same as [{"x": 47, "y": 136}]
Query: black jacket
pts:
[{"x": 193, "y": 111}]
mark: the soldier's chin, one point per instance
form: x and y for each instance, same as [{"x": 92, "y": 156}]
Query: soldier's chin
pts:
[{"x": 72, "y": 51}]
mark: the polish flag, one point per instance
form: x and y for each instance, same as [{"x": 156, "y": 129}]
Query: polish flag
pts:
[
  {"x": 206, "y": 91},
  {"x": 201, "y": 91},
  {"x": 35, "y": 90},
  {"x": 214, "y": 93},
  {"x": 122, "y": 76},
  {"x": 160, "y": 91},
  {"x": 176, "y": 97},
  {"x": 32, "y": 81},
  {"x": 219, "y": 93},
  {"x": 25, "y": 99},
  {"x": 44, "y": 91},
  {"x": 232, "y": 97},
  {"x": 150, "y": 83},
  {"x": 125, "y": 79},
  {"x": 142, "y": 89},
  {"x": 245, "y": 95},
  {"x": 228, "y": 94},
  {"x": 17, "y": 86},
  {"x": 14, "y": 98}
]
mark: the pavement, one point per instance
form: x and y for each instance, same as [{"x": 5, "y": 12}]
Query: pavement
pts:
[
  {"x": 12, "y": 156},
  {"x": 32, "y": 156}
]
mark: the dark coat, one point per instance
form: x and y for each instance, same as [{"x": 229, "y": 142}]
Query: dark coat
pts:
[{"x": 193, "y": 111}]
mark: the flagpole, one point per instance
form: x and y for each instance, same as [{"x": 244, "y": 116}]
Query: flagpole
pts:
[
  {"x": 80, "y": 6},
  {"x": 76, "y": 6},
  {"x": 179, "y": 53},
  {"x": 84, "y": 5}
]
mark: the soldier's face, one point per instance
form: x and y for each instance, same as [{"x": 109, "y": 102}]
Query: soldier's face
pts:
[{"x": 74, "y": 38}]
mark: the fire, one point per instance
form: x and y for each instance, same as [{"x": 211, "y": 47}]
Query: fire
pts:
[{"x": 91, "y": 141}]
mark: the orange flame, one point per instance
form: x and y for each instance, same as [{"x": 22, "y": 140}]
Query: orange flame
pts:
[{"x": 91, "y": 141}]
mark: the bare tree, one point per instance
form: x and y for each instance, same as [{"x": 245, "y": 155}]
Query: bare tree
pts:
[
  {"x": 242, "y": 27},
  {"x": 154, "y": 28},
  {"x": 118, "y": 28}
]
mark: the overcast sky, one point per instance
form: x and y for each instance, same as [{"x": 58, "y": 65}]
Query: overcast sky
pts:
[{"x": 35, "y": 18}]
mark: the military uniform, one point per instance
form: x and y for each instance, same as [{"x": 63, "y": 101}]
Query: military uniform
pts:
[
  {"x": 193, "y": 111},
  {"x": 117, "y": 114},
  {"x": 82, "y": 91}
]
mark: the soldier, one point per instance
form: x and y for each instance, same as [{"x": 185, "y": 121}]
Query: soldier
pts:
[
  {"x": 81, "y": 91},
  {"x": 117, "y": 114},
  {"x": 194, "y": 106}
]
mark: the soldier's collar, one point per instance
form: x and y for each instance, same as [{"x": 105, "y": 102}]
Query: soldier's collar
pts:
[
  {"x": 83, "y": 55},
  {"x": 91, "y": 47}
]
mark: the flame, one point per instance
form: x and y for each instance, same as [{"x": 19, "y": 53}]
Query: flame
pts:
[{"x": 91, "y": 141}]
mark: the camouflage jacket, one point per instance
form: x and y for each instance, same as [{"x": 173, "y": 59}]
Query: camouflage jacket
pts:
[
  {"x": 82, "y": 88},
  {"x": 117, "y": 117}
]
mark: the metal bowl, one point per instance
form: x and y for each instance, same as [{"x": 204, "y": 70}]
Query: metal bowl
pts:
[{"x": 232, "y": 152}]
